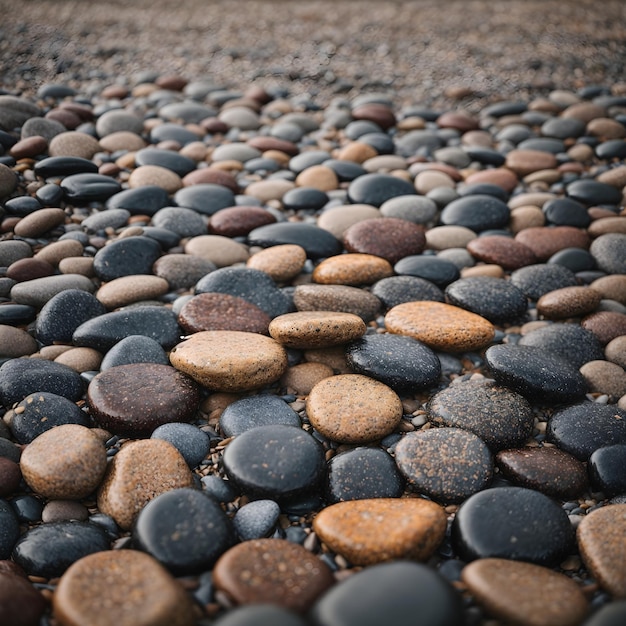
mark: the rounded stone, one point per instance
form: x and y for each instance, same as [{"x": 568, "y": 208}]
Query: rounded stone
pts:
[
  {"x": 316, "y": 329},
  {"x": 74, "y": 144},
  {"x": 399, "y": 289},
  {"x": 375, "y": 189},
  {"x": 340, "y": 298},
  {"x": 440, "y": 326},
  {"x": 66, "y": 463},
  {"x": 39, "y": 291},
  {"x": 301, "y": 378},
  {"x": 478, "y": 213},
  {"x": 372, "y": 531},
  {"x": 352, "y": 269},
  {"x": 192, "y": 442},
  {"x": 21, "y": 604},
  {"x": 504, "y": 251},
  {"x": 568, "y": 302},
  {"x": 248, "y": 413},
  {"x": 605, "y": 470},
  {"x": 219, "y": 250},
  {"x": 545, "y": 242},
  {"x": 256, "y": 520},
  {"x": 238, "y": 221},
  {"x": 434, "y": 269},
  {"x": 157, "y": 176},
  {"x": 351, "y": 408},
  {"x": 64, "y": 511},
  {"x": 338, "y": 219},
  {"x": 605, "y": 377},
  {"x": 254, "y": 614},
  {"x": 281, "y": 263},
  {"x": 445, "y": 237},
  {"x": 609, "y": 252},
  {"x": 125, "y": 290},
  {"x": 15, "y": 342},
  {"x": 182, "y": 271},
  {"x": 605, "y": 325},
  {"x": 612, "y": 287},
  {"x": 230, "y": 360},
  {"x": 524, "y": 161},
  {"x": 615, "y": 351},
  {"x": 126, "y": 257},
  {"x": 40, "y": 222}
]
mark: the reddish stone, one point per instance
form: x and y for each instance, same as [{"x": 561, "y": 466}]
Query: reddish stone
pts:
[
  {"x": 238, "y": 221},
  {"x": 377, "y": 113},
  {"x": 500, "y": 176},
  {"x": 544, "y": 242},
  {"x": 81, "y": 110},
  {"x": 459, "y": 120},
  {"x": 29, "y": 147},
  {"x": 605, "y": 325},
  {"x": 213, "y": 176},
  {"x": 174, "y": 82},
  {"x": 69, "y": 119},
  {"x": 503, "y": 251},
  {"x": 264, "y": 143},
  {"x": 29, "y": 269}
]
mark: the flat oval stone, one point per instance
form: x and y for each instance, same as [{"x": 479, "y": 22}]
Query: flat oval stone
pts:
[
  {"x": 522, "y": 525},
  {"x": 184, "y": 222},
  {"x": 566, "y": 212},
  {"x": 111, "y": 218},
  {"x": 20, "y": 603},
  {"x": 39, "y": 222},
  {"x": 281, "y": 263},
  {"x": 544, "y": 242},
  {"x": 168, "y": 159},
  {"x": 446, "y": 464},
  {"x": 238, "y": 221},
  {"x": 125, "y": 290},
  {"x": 549, "y": 470},
  {"x": 316, "y": 329},
  {"x": 107, "y": 588},
  {"x": 537, "y": 374},
  {"x": 138, "y": 473},
  {"x": 434, "y": 269},
  {"x": 592, "y": 192},
  {"x": 272, "y": 571},
  {"x": 221, "y": 311},
  {"x": 605, "y": 325},
  {"x": 80, "y": 188},
  {"x": 605, "y": 470},
  {"x": 126, "y": 257},
  {"x": 568, "y": 302},
  {"x": 60, "y": 166},
  {"x": 74, "y": 144},
  {"x": 445, "y": 237},
  {"x": 609, "y": 251},
  {"x": 525, "y": 161},
  {"x": 16, "y": 315},
  {"x": 219, "y": 250},
  {"x": 317, "y": 242},
  {"x": 496, "y": 300},
  {"x": 600, "y": 537},
  {"x": 504, "y": 251},
  {"x": 38, "y": 291},
  {"x": 260, "y": 410},
  {"x": 191, "y": 441},
  {"x": 583, "y": 428},
  {"x": 400, "y": 362},
  {"x": 440, "y": 326},
  {"x": 186, "y": 530},
  {"x": 155, "y": 175},
  {"x": 274, "y": 461},
  {"x": 352, "y": 269},
  {"x": 340, "y": 298},
  {"x": 525, "y": 593},
  {"x": 351, "y": 408},
  {"x": 375, "y": 189},
  {"x": 103, "y": 332},
  {"x": 9, "y": 529},
  {"x": 146, "y": 200},
  {"x": 338, "y": 219},
  {"x": 15, "y": 342},
  {"x": 404, "y": 590},
  {"x": 230, "y": 360},
  {"x": 478, "y": 213},
  {"x": 371, "y": 531},
  {"x": 182, "y": 271},
  {"x": 536, "y": 280},
  {"x": 399, "y": 289},
  {"x": 417, "y": 209},
  {"x": 574, "y": 259},
  {"x": 120, "y": 402}
]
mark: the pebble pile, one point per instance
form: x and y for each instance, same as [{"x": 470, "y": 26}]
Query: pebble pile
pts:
[{"x": 267, "y": 360}]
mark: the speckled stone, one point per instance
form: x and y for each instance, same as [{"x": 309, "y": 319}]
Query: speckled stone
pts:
[
  {"x": 128, "y": 289},
  {"x": 615, "y": 351},
  {"x": 605, "y": 325},
  {"x": 446, "y": 464},
  {"x": 15, "y": 342},
  {"x": 301, "y": 378},
  {"x": 524, "y": 593},
  {"x": 440, "y": 326},
  {"x": 524, "y": 162},
  {"x": 341, "y": 298},
  {"x": 352, "y": 269},
  {"x": 612, "y": 287},
  {"x": 371, "y": 531},
  {"x": 229, "y": 360},
  {"x": 221, "y": 251},
  {"x": 139, "y": 472},
  {"x": 504, "y": 251},
  {"x": 399, "y": 289},
  {"x": 445, "y": 237},
  {"x": 64, "y": 511},
  {"x": 605, "y": 377},
  {"x": 121, "y": 402},
  {"x": 610, "y": 252},
  {"x": 281, "y": 263},
  {"x": 38, "y": 291},
  {"x": 182, "y": 271},
  {"x": 221, "y": 311},
  {"x": 66, "y": 462},
  {"x": 352, "y": 408},
  {"x": 545, "y": 242},
  {"x": 568, "y": 302},
  {"x": 73, "y": 143},
  {"x": 536, "y": 280},
  {"x": 316, "y": 329},
  {"x": 549, "y": 470},
  {"x": 29, "y": 269},
  {"x": 600, "y": 537},
  {"x": 39, "y": 222},
  {"x": 120, "y": 588}
]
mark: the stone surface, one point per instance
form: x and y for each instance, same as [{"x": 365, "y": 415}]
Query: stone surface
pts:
[
  {"x": 247, "y": 413},
  {"x": 568, "y": 302},
  {"x": 605, "y": 378},
  {"x": 20, "y": 603},
  {"x": 352, "y": 269},
  {"x": 341, "y": 298},
  {"x": 281, "y": 263}
]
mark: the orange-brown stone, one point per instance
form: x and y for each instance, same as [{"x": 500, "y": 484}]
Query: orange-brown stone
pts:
[{"x": 352, "y": 269}]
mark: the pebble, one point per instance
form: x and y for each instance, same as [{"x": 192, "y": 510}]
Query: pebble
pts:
[
  {"x": 63, "y": 511},
  {"x": 545, "y": 242},
  {"x": 338, "y": 298},
  {"x": 525, "y": 593},
  {"x": 609, "y": 251},
  {"x": 248, "y": 413},
  {"x": 605, "y": 470},
  {"x": 615, "y": 351},
  {"x": 138, "y": 473},
  {"x": 145, "y": 200},
  {"x": 39, "y": 291},
  {"x": 316, "y": 241},
  {"x": 478, "y": 213},
  {"x": 440, "y": 326},
  {"x": 605, "y": 325},
  {"x": 272, "y": 571},
  {"x": 10, "y": 476},
  {"x": 371, "y": 531},
  {"x": 256, "y": 519},
  {"x": 182, "y": 271},
  {"x": 504, "y": 251},
  {"x": 220, "y": 251},
  {"x": 338, "y": 219},
  {"x": 192, "y": 442},
  {"x": 600, "y": 538},
  {"x": 134, "y": 349},
  {"x": 79, "y": 188},
  {"x": 73, "y": 144},
  {"x": 15, "y": 342},
  {"x": 301, "y": 378},
  {"x": 375, "y": 189},
  {"x": 522, "y": 525},
  {"x": 238, "y": 221},
  {"x": 568, "y": 302},
  {"x": 184, "y": 222},
  {"x": 125, "y": 290},
  {"x": 352, "y": 408},
  {"x": 413, "y": 208},
  {"x": 396, "y": 290},
  {"x": 20, "y": 603},
  {"x": 117, "y": 586},
  {"x": 445, "y": 237},
  {"x": 185, "y": 530},
  {"x": 120, "y": 402},
  {"x": 9, "y": 529},
  {"x": 435, "y": 269},
  {"x": 352, "y": 269},
  {"x": 111, "y": 218},
  {"x": 225, "y": 360},
  {"x": 252, "y": 614},
  {"x": 126, "y": 257},
  {"x": 605, "y": 378},
  {"x": 38, "y": 223},
  {"x": 281, "y": 263},
  {"x": 610, "y": 614}
]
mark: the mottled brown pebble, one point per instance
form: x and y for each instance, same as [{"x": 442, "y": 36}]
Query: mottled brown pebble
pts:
[
  {"x": 584, "y": 111},
  {"x": 29, "y": 269},
  {"x": 615, "y": 176},
  {"x": 449, "y": 236},
  {"x": 301, "y": 378},
  {"x": 239, "y": 221},
  {"x": 460, "y": 120},
  {"x": 72, "y": 143},
  {"x": 155, "y": 175},
  {"x": 212, "y": 176},
  {"x": 524, "y": 162},
  {"x": 615, "y": 351},
  {"x": 606, "y": 225},
  {"x": 526, "y": 217},
  {"x": 29, "y": 147},
  {"x": 77, "y": 265},
  {"x": 56, "y": 251},
  {"x": 371, "y": 531},
  {"x": 600, "y": 537},
  {"x": 270, "y": 189},
  {"x": 15, "y": 342},
  {"x": 81, "y": 359},
  {"x": 316, "y": 329},
  {"x": 380, "y": 114},
  {"x": 352, "y": 408},
  {"x": 573, "y": 301},
  {"x": 440, "y": 326},
  {"x": 352, "y": 269},
  {"x": 128, "y": 289},
  {"x": 314, "y": 297},
  {"x": 122, "y": 140},
  {"x": 483, "y": 269},
  {"x": 272, "y": 571},
  {"x": 544, "y": 242},
  {"x": 606, "y": 128},
  {"x": 319, "y": 177},
  {"x": 605, "y": 325},
  {"x": 281, "y": 263},
  {"x": 525, "y": 594},
  {"x": 501, "y": 250},
  {"x": 500, "y": 176},
  {"x": 39, "y": 222},
  {"x": 605, "y": 377}
]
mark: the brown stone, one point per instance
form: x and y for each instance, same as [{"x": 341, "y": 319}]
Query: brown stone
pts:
[
  {"x": 615, "y": 176},
  {"x": 544, "y": 242},
  {"x": 615, "y": 351},
  {"x": 380, "y": 114},
  {"x": 15, "y": 342},
  {"x": 352, "y": 269},
  {"x": 385, "y": 163},
  {"x": 606, "y": 225},
  {"x": 39, "y": 222},
  {"x": 213, "y": 176},
  {"x": 606, "y": 128},
  {"x": 611, "y": 287},
  {"x": 526, "y": 217},
  {"x": 29, "y": 147},
  {"x": 20, "y": 603},
  {"x": 301, "y": 378},
  {"x": 239, "y": 221},
  {"x": 63, "y": 511},
  {"x": 449, "y": 236},
  {"x": 431, "y": 179},
  {"x": 11, "y": 475},
  {"x": 155, "y": 175},
  {"x": 128, "y": 289},
  {"x": 265, "y": 143},
  {"x": 319, "y": 177},
  {"x": 77, "y": 265},
  {"x": 605, "y": 377},
  {"x": 459, "y": 120},
  {"x": 500, "y": 176},
  {"x": 584, "y": 111},
  {"x": 356, "y": 151},
  {"x": 281, "y": 263},
  {"x": 266, "y": 190},
  {"x": 122, "y": 140},
  {"x": 605, "y": 325},
  {"x": 342, "y": 298},
  {"x": 524, "y": 162},
  {"x": 568, "y": 302},
  {"x": 81, "y": 359},
  {"x": 371, "y": 531},
  {"x": 56, "y": 251},
  {"x": 501, "y": 250},
  {"x": 335, "y": 358},
  {"x": 483, "y": 269},
  {"x": 29, "y": 269}
]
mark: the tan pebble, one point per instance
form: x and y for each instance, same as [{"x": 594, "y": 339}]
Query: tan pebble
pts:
[
  {"x": 600, "y": 537},
  {"x": 196, "y": 150},
  {"x": 440, "y": 326},
  {"x": 126, "y": 161},
  {"x": 315, "y": 297},
  {"x": 385, "y": 163},
  {"x": 525, "y": 594},
  {"x": 486, "y": 269},
  {"x": 39, "y": 222},
  {"x": 337, "y": 220},
  {"x": 371, "y": 531},
  {"x": 155, "y": 175},
  {"x": 218, "y": 249},
  {"x": 230, "y": 360},
  {"x": 480, "y": 138},
  {"x": 606, "y": 225},
  {"x": 121, "y": 588},
  {"x": 319, "y": 177},
  {"x": 615, "y": 176},
  {"x": 64, "y": 463},
  {"x": 266, "y": 190},
  {"x": 526, "y": 217},
  {"x": 532, "y": 198},
  {"x": 335, "y": 358},
  {"x": 77, "y": 265},
  {"x": 580, "y": 152},
  {"x": 356, "y": 151},
  {"x": 54, "y": 252},
  {"x": 445, "y": 237},
  {"x": 73, "y": 143},
  {"x": 50, "y": 353},
  {"x": 352, "y": 269},
  {"x": 606, "y": 128},
  {"x": 301, "y": 378},
  {"x": 431, "y": 179},
  {"x": 524, "y": 162},
  {"x": 413, "y": 122},
  {"x": 122, "y": 140},
  {"x": 81, "y": 359},
  {"x": 584, "y": 111},
  {"x": 500, "y": 176},
  {"x": 621, "y": 403},
  {"x": 605, "y": 377},
  {"x": 543, "y": 176},
  {"x": 568, "y": 302},
  {"x": 351, "y": 408},
  {"x": 316, "y": 329},
  {"x": 15, "y": 342},
  {"x": 139, "y": 472},
  {"x": 128, "y": 289},
  {"x": 281, "y": 263},
  {"x": 615, "y": 351}
]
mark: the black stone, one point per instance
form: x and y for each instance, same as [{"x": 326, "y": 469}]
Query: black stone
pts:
[
  {"x": 398, "y": 361},
  {"x": 583, "y": 428},
  {"x": 317, "y": 242},
  {"x": 611, "y": 149},
  {"x": 478, "y": 213},
  {"x": 375, "y": 189},
  {"x": 399, "y": 289},
  {"x": 500, "y": 109},
  {"x": 422, "y": 142},
  {"x": 49, "y": 549},
  {"x": 16, "y": 314},
  {"x": 50, "y": 194},
  {"x": 165, "y": 238},
  {"x": 134, "y": 349},
  {"x": 275, "y": 462},
  {"x": 141, "y": 201},
  {"x": 566, "y": 212},
  {"x": 606, "y": 470},
  {"x": 126, "y": 257},
  {"x": 363, "y": 473},
  {"x": 9, "y": 450},
  {"x": 22, "y": 206},
  {"x": 64, "y": 313},
  {"x": 185, "y": 530},
  {"x": 218, "y": 488},
  {"x": 192, "y": 442},
  {"x": 401, "y": 593},
  {"x": 9, "y": 530},
  {"x": 304, "y": 198},
  {"x": 81, "y": 188},
  {"x": 21, "y": 377},
  {"x": 486, "y": 156},
  {"x": 563, "y": 127},
  {"x": 346, "y": 171},
  {"x": 495, "y": 299},
  {"x": 574, "y": 259},
  {"x": 61, "y": 166},
  {"x": 205, "y": 198},
  {"x": 537, "y": 374},
  {"x": 381, "y": 142},
  {"x": 592, "y": 192},
  {"x": 485, "y": 189},
  {"x": 261, "y": 410},
  {"x": 537, "y": 280},
  {"x": 512, "y": 523},
  {"x": 543, "y": 144},
  {"x": 439, "y": 271},
  {"x": 260, "y": 615},
  {"x": 27, "y": 508}
]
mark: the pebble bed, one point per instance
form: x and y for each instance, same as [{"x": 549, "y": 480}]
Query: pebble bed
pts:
[{"x": 310, "y": 348}]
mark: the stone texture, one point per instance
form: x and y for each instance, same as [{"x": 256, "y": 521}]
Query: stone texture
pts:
[
  {"x": 352, "y": 269},
  {"x": 568, "y": 302},
  {"x": 281, "y": 263}
]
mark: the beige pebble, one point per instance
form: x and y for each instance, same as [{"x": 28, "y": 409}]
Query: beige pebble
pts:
[
  {"x": 524, "y": 162},
  {"x": 352, "y": 269},
  {"x": 15, "y": 342},
  {"x": 485, "y": 269},
  {"x": 526, "y": 217},
  {"x": 81, "y": 359},
  {"x": 531, "y": 198},
  {"x": 39, "y": 222},
  {"x": 385, "y": 163},
  {"x": 431, "y": 179},
  {"x": 218, "y": 249},
  {"x": 315, "y": 297},
  {"x": 356, "y": 151},
  {"x": 335, "y": 358},
  {"x": 580, "y": 152},
  {"x": 281, "y": 263},
  {"x": 615, "y": 176},
  {"x": 500, "y": 176},
  {"x": 615, "y": 351},
  {"x": 54, "y": 252},
  {"x": 319, "y": 177},
  {"x": 445, "y": 237},
  {"x": 73, "y": 143},
  {"x": 605, "y": 377},
  {"x": 155, "y": 175},
  {"x": 266, "y": 190},
  {"x": 122, "y": 140},
  {"x": 607, "y": 225},
  {"x": 337, "y": 220},
  {"x": 584, "y": 111},
  {"x": 301, "y": 378},
  {"x": 77, "y": 265},
  {"x": 128, "y": 289},
  {"x": 543, "y": 176},
  {"x": 606, "y": 128}
]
